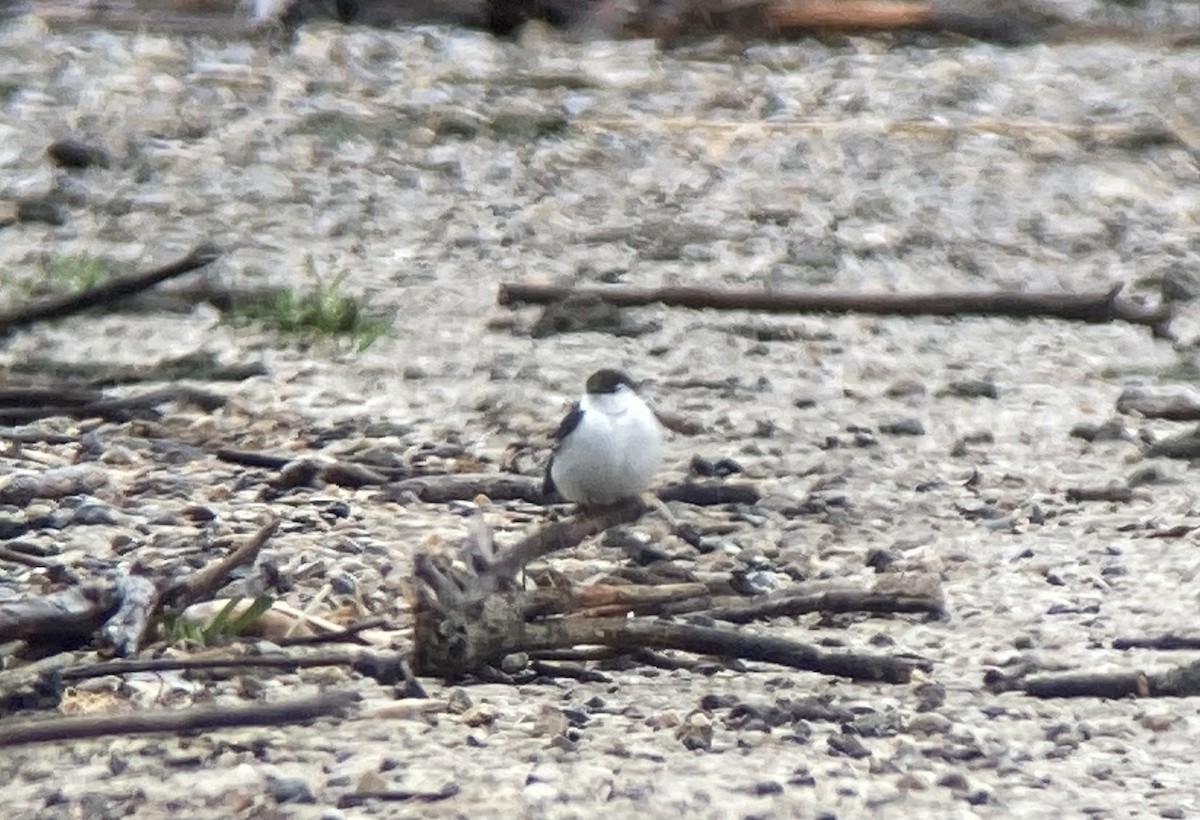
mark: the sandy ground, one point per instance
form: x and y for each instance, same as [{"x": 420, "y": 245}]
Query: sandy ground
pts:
[{"x": 394, "y": 157}]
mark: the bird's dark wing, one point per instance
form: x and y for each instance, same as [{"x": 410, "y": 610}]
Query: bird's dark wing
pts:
[{"x": 570, "y": 422}]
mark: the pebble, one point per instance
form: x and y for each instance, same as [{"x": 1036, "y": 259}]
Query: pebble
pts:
[{"x": 289, "y": 790}]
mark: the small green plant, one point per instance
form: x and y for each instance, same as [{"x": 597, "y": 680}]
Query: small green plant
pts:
[
  {"x": 321, "y": 311},
  {"x": 72, "y": 273},
  {"x": 222, "y": 628}
]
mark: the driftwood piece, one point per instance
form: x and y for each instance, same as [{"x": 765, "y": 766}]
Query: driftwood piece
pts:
[
  {"x": 1112, "y": 493},
  {"x": 105, "y": 293},
  {"x": 469, "y": 614},
  {"x": 353, "y": 799},
  {"x": 122, "y": 609},
  {"x": 1173, "y": 403},
  {"x": 21, "y": 404},
  {"x": 384, "y": 668},
  {"x": 201, "y": 366},
  {"x": 1176, "y": 682},
  {"x": 127, "y": 628},
  {"x": 77, "y": 479},
  {"x": 1168, "y": 642},
  {"x": 1099, "y": 306},
  {"x": 306, "y": 470},
  {"x": 442, "y": 489},
  {"x": 922, "y": 595},
  {"x": 177, "y": 720},
  {"x": 60, "y": 616}
]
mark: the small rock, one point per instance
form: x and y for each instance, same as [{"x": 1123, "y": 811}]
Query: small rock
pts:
[
  {"x": 905, "y": 387},
  {"x": 930, "y": 696},
  {"x": 880, "y": 559},
  {"x": 696, "y": 731},
  {"x": 801, "y": 776},
  {"x": 371, "y": 782},
  {"x": 1172, "y": 812},
  {"x": 459, "y": 701},
  {"x": 848, "y": 745},
  {"x": 954, "y": 781},
  {"x": 973, "y": 389},
  {"x": 766, "y": 787},
  {"x": 73, "y": 153},
  {"x": 929, "y": 723},
  {"x": 93, "y": 514},
  {"x": 289, "y": 790},
  {"x": 539, "y": 793},
  {"x": 481, "y": 714},
  {"x": 903, "y": 427}
]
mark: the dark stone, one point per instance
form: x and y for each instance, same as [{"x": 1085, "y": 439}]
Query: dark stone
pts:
[
  {"x": 848, "y": 745},
  {"x": 73, "y": 153},
  {"x": 903, "y": 427},
  {"x": 289, "y": 790},
  {"x": 973, "y": 389},
  {"x": 880, "y": 559}
]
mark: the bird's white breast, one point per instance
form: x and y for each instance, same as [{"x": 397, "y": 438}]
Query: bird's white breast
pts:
[{"x": 612, "y": 454}]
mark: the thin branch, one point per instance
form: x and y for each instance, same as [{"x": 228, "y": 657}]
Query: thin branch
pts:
[
  {"x": 626, "y": 633},
  {"x": 16, "y": 407},
  {"x": 185, "y": 720},
  {"x": 285, "y": 662},
  {"x": 214, "y": 576},
  {"x": 1166, "y": 642},
  {"x": 1098, "y": 306},
  {"x": 798, "y": 602},
  {"x": 353, "y": 799},
  {"x": 349, "y": 634},
  {"x": 563, "y": 535},
  {"x": 116, "y": 288}
]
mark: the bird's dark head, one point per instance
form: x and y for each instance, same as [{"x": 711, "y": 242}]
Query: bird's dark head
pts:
[{"x": 608, "y": 381}]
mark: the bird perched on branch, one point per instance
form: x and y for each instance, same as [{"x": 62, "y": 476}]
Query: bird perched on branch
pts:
[{"x": 609, "y": 445}]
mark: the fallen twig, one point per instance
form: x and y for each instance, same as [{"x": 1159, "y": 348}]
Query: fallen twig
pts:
[
  {"x": 348, "y": 634},
  {"x": 384, "y": 667},
  {"x": 15, "y": 557},
  {"x": 177, "y": 720},
  {"x": 353, "y": 799},
  {"x": 1113, "y": 493},
  {"x": 16, "y": 404},
  {"x": 1168, "y": 641},
  {"x": 203, "y": 584},
  {"x": 442, "y": 489},
  {"x": 71, "y": 613},
  {"x": 1100, "y": 306},
  {"x": 709, "y": 494},
  {"x": 200, "y": 366},
  {"x": 921, "y": 595},
  {"x": 1179, "y": 681},
  {"x": 116, "y": 288}
]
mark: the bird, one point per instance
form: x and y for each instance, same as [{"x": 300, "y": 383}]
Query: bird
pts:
[{"x": 608, "y": 446}]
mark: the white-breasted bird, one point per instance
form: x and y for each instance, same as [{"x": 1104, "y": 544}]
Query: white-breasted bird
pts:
[{"x": 609, "y": 446}]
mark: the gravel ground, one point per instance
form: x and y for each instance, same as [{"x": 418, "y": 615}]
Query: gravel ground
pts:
[{"x": 431, "y": 165}]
